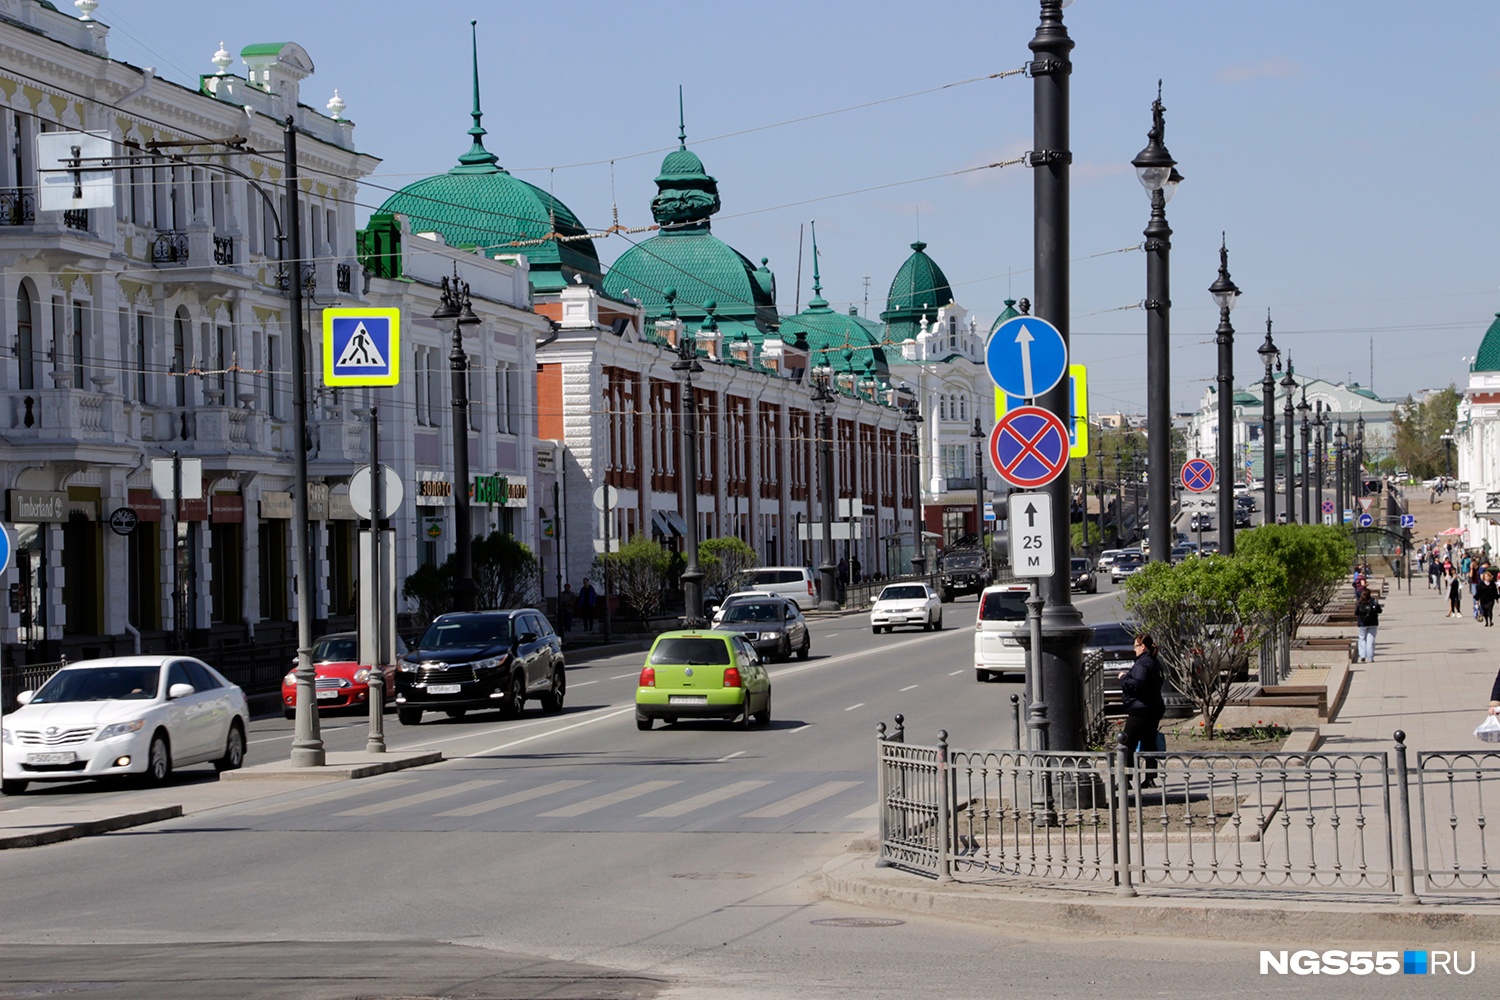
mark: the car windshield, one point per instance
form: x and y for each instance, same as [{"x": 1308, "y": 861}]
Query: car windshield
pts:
[
  {"x": 1003, "y": 606},
  {"x": 1080, "y": 565},
  {"x": 99, "y": 684},
  {"x": 340, "y": 650},
  {"x": 906, "y": 592},
  {"x": 485, "y": 631},
  {"x": 690, "y": 649},
  {"x": 753, "y": 613},
  {"x": 1114, "y": 634}
]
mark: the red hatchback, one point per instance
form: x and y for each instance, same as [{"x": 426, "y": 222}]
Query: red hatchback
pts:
[{"x": 340, "y": 679}]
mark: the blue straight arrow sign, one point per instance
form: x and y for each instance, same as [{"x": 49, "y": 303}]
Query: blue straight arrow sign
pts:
[{"x": 1026, "y": 356}]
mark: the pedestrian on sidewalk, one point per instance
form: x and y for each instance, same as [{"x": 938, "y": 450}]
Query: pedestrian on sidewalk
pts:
[
  {"x": 1140, "y": 692},
  {"x": 1453, "y": 593},
  {"x": 588, "y": 604},
  {"x": 1367, "y": 617},
  {"x": 1486, "y": 595},
  {"x": 567, "y": 601}
]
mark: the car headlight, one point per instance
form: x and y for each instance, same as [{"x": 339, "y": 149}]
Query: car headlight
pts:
[
  {"x": 491, "y": 663},
  {"x": 121, "y": 729},
  {"x": 407, "y": 666},
  {"x": 774, "y": 633},
  {"x": 362, "y": 675},
  {"x": 290, "y": 679}
]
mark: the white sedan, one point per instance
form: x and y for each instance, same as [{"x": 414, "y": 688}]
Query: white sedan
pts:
[
  {"x": 906, "y": 604},
  {"x": 125, "y": 715}
]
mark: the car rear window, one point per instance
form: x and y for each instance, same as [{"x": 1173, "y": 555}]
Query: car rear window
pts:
[
  {"x": 1003, "y": 606},
  {"x": 764, "y": 576},
  {"x": 690, "y": 649},
  {"x": 906, "y": 592}
]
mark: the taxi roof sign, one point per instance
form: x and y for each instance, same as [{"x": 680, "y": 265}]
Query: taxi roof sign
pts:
[{"x": 361, "y": 347}]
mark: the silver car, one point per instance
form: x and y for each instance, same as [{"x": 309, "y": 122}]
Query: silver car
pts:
[{"x": 774, "y": 626}]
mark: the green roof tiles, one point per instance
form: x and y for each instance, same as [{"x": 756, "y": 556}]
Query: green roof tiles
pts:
[
  {"x": 1488, "y": 358},
  {"x": 919, "y": 289}
]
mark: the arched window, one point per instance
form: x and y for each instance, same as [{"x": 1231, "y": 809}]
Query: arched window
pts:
[
  {"x": 179, "y": 356},
  {"x": 25, "y": 345}
]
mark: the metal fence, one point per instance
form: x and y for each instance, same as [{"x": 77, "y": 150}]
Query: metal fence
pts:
[
  {"x": 1276, "y": 653},
  {"x": 1359, "y": 823}
]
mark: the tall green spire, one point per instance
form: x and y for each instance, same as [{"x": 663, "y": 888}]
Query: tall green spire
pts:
[
  {"x": 477, "y": 159},
  {"x": 681, "y": 121},
  {"x": 817, "y": 303}
]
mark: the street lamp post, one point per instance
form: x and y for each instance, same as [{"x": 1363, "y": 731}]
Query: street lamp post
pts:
[
  {"x": 1225, "y": 294},
  {"x": 914, "y": 418},
  {"x": 687, "y": 366},
  {"x": 1303, "y": 407},
  {"x": 455, "y": 304},
  {"x": 1320, "y": 448},
  {"x": 1270, "y": 357},
  {"x": 823, "y": 396},
  {"x": 1447, "y": 439},
  {"x": 978, "y": 437},
  {"x": 1358, "y": 476},
  {"x": 1289, "y": 383},
  {"x": 1083, "y": 468},
  {"x": 1155, "y": 168},
  {"x": 1338, "y": 472}
]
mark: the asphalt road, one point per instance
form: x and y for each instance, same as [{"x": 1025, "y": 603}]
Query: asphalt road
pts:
[{"x": 571, "y": 856}]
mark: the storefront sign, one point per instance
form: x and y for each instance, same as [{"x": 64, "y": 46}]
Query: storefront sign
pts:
[
  {"x": 502, "y": 491},
  {"x": 434, "y": 492},
  {"x": 317, "y": 501},
  {"x": 275, "y": 505},
  {"x": 227, "y": 508},
  {"x": 122, "y": 520},
  {"x": 144, "y": 504},
  {"x": 194, "y": 509},
  {"x": 432, "y": 527},
  {"x": 340, "y": 508},
  {"x": 38, "y": 506}
]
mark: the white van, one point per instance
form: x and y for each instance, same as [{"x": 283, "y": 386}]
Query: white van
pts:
[
  {"x": 795, "y": 583},
  {"x": 1002, "y": 611}
]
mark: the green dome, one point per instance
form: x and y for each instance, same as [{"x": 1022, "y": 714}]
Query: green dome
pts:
[
  {"x": 919, "y": 289},
  {"x": 1488, "y": 358},
  {"x": 1008, "y": 314},
  {"x": 682, "y": 162}
]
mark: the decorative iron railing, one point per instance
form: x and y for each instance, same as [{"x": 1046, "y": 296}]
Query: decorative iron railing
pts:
[
  {"x": 342, "y": 273},
  {"x": 223, "y": 250},
  {"x": 170, "y": 247},
  {"x": 17, "y": 208}
]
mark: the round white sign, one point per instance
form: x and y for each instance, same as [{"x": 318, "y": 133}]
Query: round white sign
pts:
[{"x": 391, "y": 491}]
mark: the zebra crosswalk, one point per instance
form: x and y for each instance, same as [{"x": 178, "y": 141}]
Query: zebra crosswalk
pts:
[{"x": 623, "y": 800}]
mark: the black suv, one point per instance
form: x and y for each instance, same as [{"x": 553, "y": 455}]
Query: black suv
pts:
[
  {"x": 481, "y": 660},
  {"x": 965, "y": 571}
]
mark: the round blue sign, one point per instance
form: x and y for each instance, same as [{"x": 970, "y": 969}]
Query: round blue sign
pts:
[
  {"x": 4, "y": 549},
  {"x": 1365, "y": 520},
  {"x": 1026, "y": 356}
]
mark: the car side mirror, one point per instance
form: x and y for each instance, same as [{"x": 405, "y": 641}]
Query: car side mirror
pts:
[
  {"x": 528, "y": 637},
  {"x": 179, "y": 691},
  {"x": 24, "y": 698}
]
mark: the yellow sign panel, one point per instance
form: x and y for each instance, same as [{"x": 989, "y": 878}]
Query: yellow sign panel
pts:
[
  {"x": 361, "y": 347},
  {"x": 1077, "y": 420}
]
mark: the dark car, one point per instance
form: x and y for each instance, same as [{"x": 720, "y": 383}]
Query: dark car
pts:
[
  {"x": 1125, "y": 566},
  {"x": 774, "y": 627},
  {"x": 1201, "y": 522},
  {"x": 477, "y": 660},
  {"x": 965, "y": 571},
  {"x": 1083, "y": 575},
  {"x": 1115, "y": 643},
  {"x": 1241, "y": 516}
]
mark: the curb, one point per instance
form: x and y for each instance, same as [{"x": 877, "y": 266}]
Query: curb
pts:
[
  {"x": 55, "y": 833},
  {"x": 853, "y": 878},
  {"x": 339, "y": 766}
]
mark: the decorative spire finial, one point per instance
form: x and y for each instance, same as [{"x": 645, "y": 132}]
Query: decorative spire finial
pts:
[
  {"x": 681, "y": 121},
  {"x": 477, "y": 156}
]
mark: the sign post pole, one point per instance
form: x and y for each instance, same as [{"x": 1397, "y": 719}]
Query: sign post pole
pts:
[{"x": 376, "y": 603}]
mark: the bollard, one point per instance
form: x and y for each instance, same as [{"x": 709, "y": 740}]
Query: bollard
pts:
[
  {"x": 1121, "y": 810},
  {"x": 882, "y": 806},
  {"x": 944, "y": 810},
  {"x": 1408, "y": 874},
  {"x": 1015, "y": 718}
]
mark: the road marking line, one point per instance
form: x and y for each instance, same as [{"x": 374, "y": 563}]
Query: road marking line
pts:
[
  {"x": 550, "y": 732},
  {"x": 853, "y": 707},
  {"x": 514, "y": 798},
  {"x": 870, "y": 811},
  {"x": 611, "y": 799},
  {"x": 353, "y": 788},
  {"x": 802, "y": 799},
  {"x": 390, "y": 805},
  {"x": 737, "y": 753},
  {"x": 581, "y": 684},
  {"x": 633, "y": 673},
  {"x": 706, "y": 799},
  {"x": 800, "y": 728},
  {"x": 909, "y": 687},
  {"x": 954, "y": 673}
]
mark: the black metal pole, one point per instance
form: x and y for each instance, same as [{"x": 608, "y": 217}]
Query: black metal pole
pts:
[
  {"x": 692, "y": 576},
  {"x": 1338, "y": 474},
  {"x": 463, "y": 530},
  {"x": 1083, "y": 470},
  {"x": 1307, "y": 512},
  {"x": 918, "y": 553},
  {"x": 1225, "y": 292},
  {"x": 1319, "y": 448},
  {"x": 1268, "y": 356},
  {"x": 1063, "y": 631},
  {"x": 828, "y": 601},
  {"x": 1289, "y": 382}
]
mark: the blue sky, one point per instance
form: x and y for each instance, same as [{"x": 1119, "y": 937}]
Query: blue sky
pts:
[{"x": 1349, "y": 159}]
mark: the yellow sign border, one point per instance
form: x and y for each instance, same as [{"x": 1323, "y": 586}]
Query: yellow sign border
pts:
[
  {"x": 1079, "y": 380},
  {"x": 393, "y": 349}
]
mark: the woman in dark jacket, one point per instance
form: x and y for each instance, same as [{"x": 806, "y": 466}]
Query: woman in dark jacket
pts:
[
  {"x": 1486, "y": 593},
  {"x": 1140, "y": 691}
]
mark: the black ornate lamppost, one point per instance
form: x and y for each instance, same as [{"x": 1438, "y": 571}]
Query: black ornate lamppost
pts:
[
  {"x": 918, "y": 558},
  {"x": 1302, "y": 408},
  {"x": 1225, "y": 294},
  {"x": 687, "y": 366},
  {"x": 1320, "y": 448},
  {"x": 1338, "y": 472},
  {"x": 455, "y": 304},
  {"x": 1289, "y": 383},
  {"x": 1447, "y": 438},
  {"x": 823, "y": 396},
  {"x": 1358, "y": 475},
  {"x": 978, "y": 437},
  {"x": 1271, "y": 358},
  {"x": 1155, "y": 168}
]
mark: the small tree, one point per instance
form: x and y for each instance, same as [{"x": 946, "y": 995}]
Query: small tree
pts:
[
  {"x": 637, "y": 572},
  {"x": 505, "y": 572},
  {"x": 724, "y": 562},
  {"x": 430, "y": 588},
  {"x": 1204, "y": 615},
  {"x": 1316, "y": 558}
]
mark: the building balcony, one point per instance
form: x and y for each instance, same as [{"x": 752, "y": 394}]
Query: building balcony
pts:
[
  {"x": 63, "y": 415},
  {"x": 199, "y": 255}
]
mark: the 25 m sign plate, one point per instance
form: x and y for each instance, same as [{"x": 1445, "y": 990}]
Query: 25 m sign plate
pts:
[{"x": 1031, "y": 548}]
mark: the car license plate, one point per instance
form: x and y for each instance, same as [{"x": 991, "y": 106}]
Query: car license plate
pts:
[
  {"x": 687, "y": 699},
  {"x": 1010, "y": 642},
  {"x": 62, "y": 757},
  {"x": 327, "y": 695},
  {"x": 897, "y": 619},
  {"x": 443, "y": 689}
]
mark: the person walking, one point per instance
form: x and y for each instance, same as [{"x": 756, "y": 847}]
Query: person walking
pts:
[
  {"x": 1140, "y": 693},
  {"x": 567, "y": 602},
  {"x": 1367, "y": 618},
  {"x": 1453, "y": 592},
  {"x": 1486, "y": 594},
  {"x": 588, "y": 604}
]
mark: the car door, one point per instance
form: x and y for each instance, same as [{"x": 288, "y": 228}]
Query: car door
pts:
[
  {"x": 796, "y": 627},
  {"x": 185, "y": 716},
  {"x": 216, "y": 708},
  {"x": 530, "y": 646}
]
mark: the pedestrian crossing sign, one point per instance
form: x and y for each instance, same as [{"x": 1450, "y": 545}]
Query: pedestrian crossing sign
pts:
[{"x": 361, "y": 347}]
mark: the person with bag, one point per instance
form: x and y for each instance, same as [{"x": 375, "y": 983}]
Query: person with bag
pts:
[
  {"x": 1140, "y": 692},
  {"x": 1486, "y": 594},
  {"x": 1453, "y": 611},
  {"x": 1367, "y": 618}
]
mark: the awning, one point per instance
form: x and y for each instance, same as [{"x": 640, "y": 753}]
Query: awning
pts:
[
  {"x": 668, "y": 522},
  {"x": 1454, "y": 531}
]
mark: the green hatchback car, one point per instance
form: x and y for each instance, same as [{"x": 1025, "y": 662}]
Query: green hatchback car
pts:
[{"x": 703, "y": 674}]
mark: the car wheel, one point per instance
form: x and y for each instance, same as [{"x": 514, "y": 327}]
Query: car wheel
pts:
[
  {"x": 938, "y": 625},
  {"x": 875, "y": 629},
  {"x": 552, "y": 700},
  {"x": 802, "y": 653},
  {"x": 409, "y": 716},
  {"x": 455, "y": 713},
  {"x": 784, "y": 651},
  {"x": 234, "y": 750},
  {"x": 746, "y": 720},
  {"x": 643, "y": 722},
  {"x": 516, "y": 700},
  {"x": 158, "y": 761},
  {"x": 947, "y": 597},
  {"x": 763, "y": 717},
  {"x": 982, "y": 676},
  {"x": 12, "y": 787},
  {"x": 290, "y": 713}
]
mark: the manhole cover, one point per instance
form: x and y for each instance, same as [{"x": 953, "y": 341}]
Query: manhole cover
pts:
[
  {"x": 858, "y": 922},
  {"x": 711, "y": 875}
]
